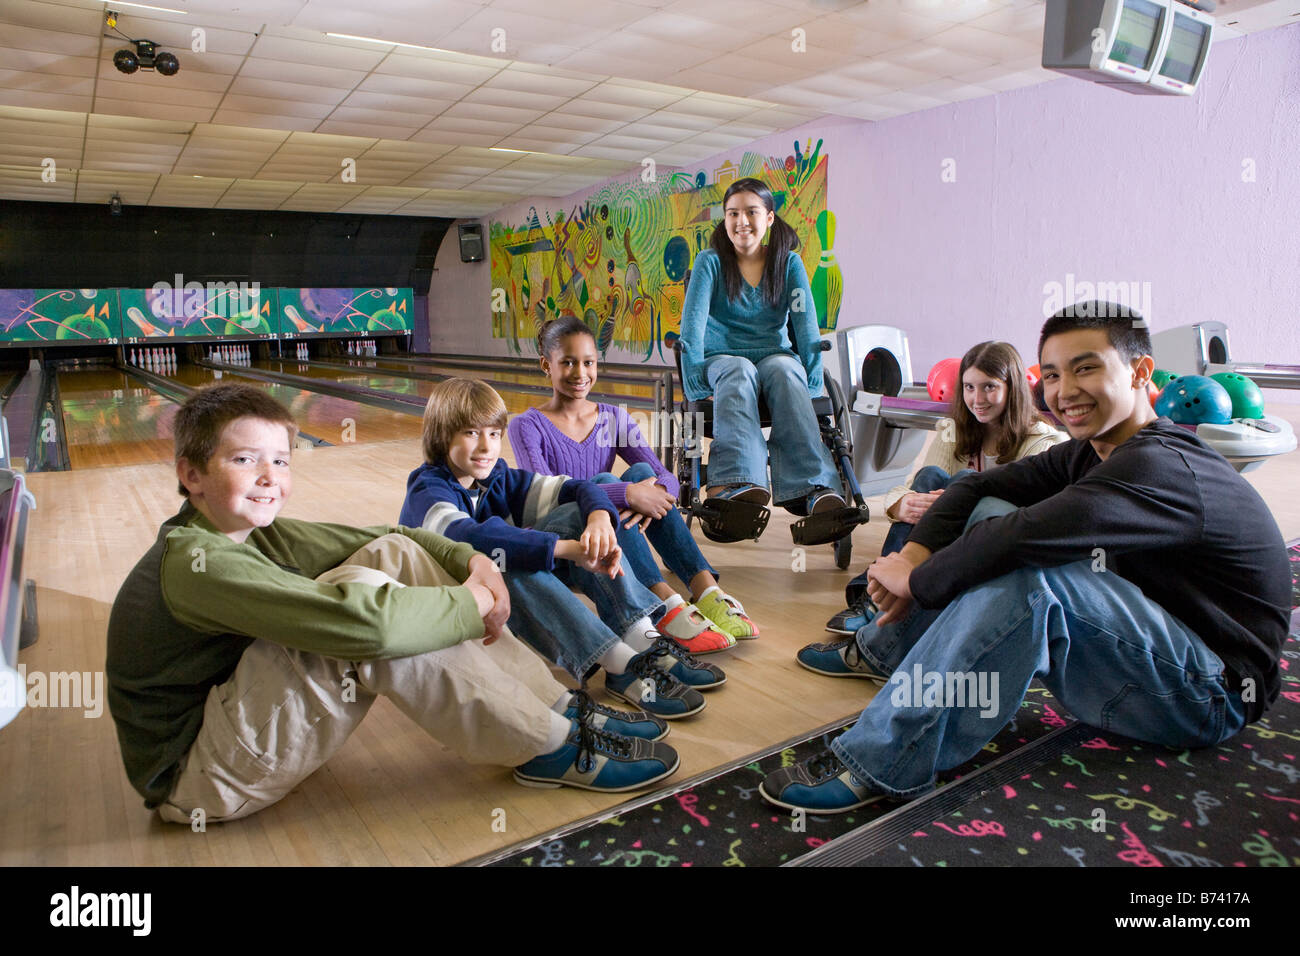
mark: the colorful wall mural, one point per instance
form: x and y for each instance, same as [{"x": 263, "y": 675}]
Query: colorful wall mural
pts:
[
  {"x": 59, "y": 316},
  {"x": 335, "y": 312},
  {"x": 619, "y": 258},
  {"x": 213, "y": 311}
]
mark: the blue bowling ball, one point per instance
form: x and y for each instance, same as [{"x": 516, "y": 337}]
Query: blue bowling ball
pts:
[{"x": 1194, "y": 399}]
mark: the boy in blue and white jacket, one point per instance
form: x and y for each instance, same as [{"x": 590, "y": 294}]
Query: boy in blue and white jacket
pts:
[{"x": 544, "y": 531}]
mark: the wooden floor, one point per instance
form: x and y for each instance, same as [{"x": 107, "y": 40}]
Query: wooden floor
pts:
[{"x": 392, "y": 795}]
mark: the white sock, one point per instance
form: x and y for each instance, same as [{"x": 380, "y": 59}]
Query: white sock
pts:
[
  {"x": 558, "y": 733},
  {"x": 672, "y": 601},
  {"x": 641, "y": 635},
  {"x": 561, "y": 705},
  {"x": 615, "y": 659}
]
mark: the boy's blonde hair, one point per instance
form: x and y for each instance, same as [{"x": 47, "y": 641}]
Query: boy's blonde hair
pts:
[{"x": 454, "y": 405}]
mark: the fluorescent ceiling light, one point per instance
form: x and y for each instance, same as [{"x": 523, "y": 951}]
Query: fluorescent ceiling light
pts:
[
  {"x": 144, "y": 6},
  {"x": 413, "y": 46},
  {"x": 502, "y": 149}
]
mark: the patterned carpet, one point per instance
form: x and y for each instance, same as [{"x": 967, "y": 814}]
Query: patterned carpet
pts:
[
  {"x": 1117, "y": 802},
  {"x": 1111, "y": 802},
  {"x": 725, "y": 822}
]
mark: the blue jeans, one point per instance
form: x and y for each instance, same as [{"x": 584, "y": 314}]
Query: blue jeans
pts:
[
  {"x": 799, "y": 460},
  {"x": 546, "y": 615},
  {"x": 1114, "y": 659},
  {"x": 930, "y": 478},
  {"x": 668, "y": 534}
]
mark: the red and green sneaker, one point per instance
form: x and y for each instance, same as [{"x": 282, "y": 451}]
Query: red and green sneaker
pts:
[
  {"x": 693, "y": 631},
  {"x": 726, "y": 614}
]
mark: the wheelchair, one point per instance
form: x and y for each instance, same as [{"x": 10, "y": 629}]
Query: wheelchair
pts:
[{"x": 679, "y": 433}]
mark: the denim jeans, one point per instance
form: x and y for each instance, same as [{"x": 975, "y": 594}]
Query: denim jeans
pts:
[
  {"x": 930, "y": 478},
  {"x": 668, "y": 534},
  {"x": 1113, "y": 658},
  {"x": 549, "y": 617},
  {"x": 799, "y": 460}
]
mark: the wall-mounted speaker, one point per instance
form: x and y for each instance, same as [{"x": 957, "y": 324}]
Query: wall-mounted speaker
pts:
[{"x": 471, "y": 242}]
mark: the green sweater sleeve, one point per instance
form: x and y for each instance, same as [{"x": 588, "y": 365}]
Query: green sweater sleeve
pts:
[{"x": 264, "y": 588}]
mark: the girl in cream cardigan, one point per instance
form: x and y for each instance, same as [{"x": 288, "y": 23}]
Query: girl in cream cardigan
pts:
[{"x": 993, "y": 422}]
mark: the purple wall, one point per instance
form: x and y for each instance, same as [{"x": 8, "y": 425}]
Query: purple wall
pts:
[{"x": 1064, "y": 178}]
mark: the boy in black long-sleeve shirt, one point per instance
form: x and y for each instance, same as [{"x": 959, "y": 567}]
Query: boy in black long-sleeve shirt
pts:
[{"x": 1132, "y": 569}]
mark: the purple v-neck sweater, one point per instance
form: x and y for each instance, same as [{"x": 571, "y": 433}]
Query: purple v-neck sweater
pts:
[{"x": 541, "y": 447}]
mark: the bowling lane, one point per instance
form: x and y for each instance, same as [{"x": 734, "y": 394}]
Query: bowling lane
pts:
[
  {"x": 361, "y": 377},
  {"x": 112, "y": 419},
  {"x": 535, "y": 378},
  {"x": 336, "y": 420},
  {"x": 368, "y": 376}
]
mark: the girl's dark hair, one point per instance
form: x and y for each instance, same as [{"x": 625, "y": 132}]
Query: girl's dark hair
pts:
[
  {"x": 555, "y": 331},
  {"x": 1001, "y": 361},
  {"x": 782, "y": 240}
]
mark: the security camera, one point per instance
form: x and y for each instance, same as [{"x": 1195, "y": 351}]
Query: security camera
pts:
[{"x": 147, "y": 56}]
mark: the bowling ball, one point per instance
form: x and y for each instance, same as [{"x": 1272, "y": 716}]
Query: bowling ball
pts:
[
  {"x": 1034, "y": 374},
  {"x": 384, "y": 320},
  {"x": 1247, "y": 399},
  {"x": 246, "y": 323},
  {"x": 83, "y": 327},
  {"x": 941, "y": 383},
  {"x": 677, "y": 258},
  {"x": 1160, "y": 378},
  {"x": 1194, "y": 399}
]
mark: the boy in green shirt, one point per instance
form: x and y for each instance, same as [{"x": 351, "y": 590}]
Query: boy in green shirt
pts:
[{"x": 244, "y": 650}]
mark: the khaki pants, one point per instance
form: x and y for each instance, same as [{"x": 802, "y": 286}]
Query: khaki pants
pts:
[{"x": 283, "y": 713}]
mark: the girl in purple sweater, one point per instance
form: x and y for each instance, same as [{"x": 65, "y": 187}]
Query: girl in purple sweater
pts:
[{"x": 574, "y": 436}]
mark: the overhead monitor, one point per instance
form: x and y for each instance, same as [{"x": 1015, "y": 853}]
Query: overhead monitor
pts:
[
  {"x": 1184, "y": 56},
  {"x": 1107, "y": 41}
]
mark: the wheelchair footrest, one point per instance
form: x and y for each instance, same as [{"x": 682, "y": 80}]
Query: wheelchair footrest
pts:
[
  {"x": 726, "y": 521},
  {"x": 829, "y": 525}
]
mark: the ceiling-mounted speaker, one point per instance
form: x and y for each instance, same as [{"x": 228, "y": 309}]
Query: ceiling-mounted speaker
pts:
[{"x": 471, "y": 242}]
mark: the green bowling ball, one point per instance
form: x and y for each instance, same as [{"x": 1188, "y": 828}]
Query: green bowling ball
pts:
[
  {"x": 1160, "y": 378},
  {"x": 385, "y": 320},
  {"x": 82, "y": 327},
  {"x": 1247, "y": 399},
  {"x": 247, "y": 323}
]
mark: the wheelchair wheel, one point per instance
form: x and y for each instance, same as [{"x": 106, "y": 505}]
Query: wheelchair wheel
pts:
[
  {"x": 840, "y": 409},
  {"x": 843, "y": 552},
  {"x": 665, "y": 436}
]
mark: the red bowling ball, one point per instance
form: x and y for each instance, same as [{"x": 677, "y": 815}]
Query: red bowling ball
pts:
[{"x": 941, "y": 383}]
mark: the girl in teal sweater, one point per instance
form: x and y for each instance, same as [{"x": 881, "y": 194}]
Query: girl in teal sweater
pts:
[{"x": 736, "y": 346}]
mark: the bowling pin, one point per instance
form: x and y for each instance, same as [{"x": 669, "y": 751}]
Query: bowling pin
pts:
[{"x": 827, "y": 281}]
